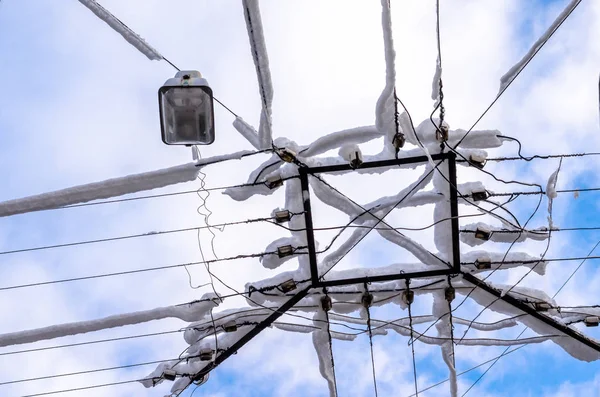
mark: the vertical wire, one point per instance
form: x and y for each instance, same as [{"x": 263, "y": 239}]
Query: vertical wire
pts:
[
  {"x": 412, "y": 345},
  {"x": 330, "y": 347},
  {"x": 371, "y": 342}
]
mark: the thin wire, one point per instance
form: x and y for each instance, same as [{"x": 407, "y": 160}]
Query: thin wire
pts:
[
  {"x": 88, "y": 387},
  {"x": 216, "y": 100},
  {"x": 90, "y": 342},
  {"x": 330, "y": 346},
  {"x": 518, "y": 73},
  {"x": 151, "y": 269},
  {"x": 522, "y": 332},
  {"x": 367, "y": 307},
  {"x": 412, "y": 345},
  {"x": 467, "y": 371},
  {"x": 131, "y": 236}
]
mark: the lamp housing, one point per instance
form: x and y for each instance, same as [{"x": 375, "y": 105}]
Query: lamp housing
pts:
[{"x": 186, "y": 110}]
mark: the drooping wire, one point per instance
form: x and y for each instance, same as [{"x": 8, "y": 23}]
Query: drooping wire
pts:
[
  {"x": 328, "y": 325},
  {"x": 368, "y": 309},
  {"x": 411, "y": 341},
  {"x": 505, "y": 87},
  {"x": 505, "y": 352}
]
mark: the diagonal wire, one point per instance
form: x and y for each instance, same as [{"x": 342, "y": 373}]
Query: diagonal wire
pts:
[
  {"x": 505, "y": 352},
  {"x": 517, "y": 74}
]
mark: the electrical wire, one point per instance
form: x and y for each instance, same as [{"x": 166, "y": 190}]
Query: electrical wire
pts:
[
  {"x": 132, "y": 236},
  {"x": 518, "y": 73},
  {"x": 412, "y": 345},
  {"x": 330, "y": 347},
  {"x": 367, "y": 306}
]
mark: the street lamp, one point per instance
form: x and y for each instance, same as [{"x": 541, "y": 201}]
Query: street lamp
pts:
[{"x": 186, "y": 110}]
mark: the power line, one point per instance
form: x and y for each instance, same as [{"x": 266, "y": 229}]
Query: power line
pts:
[
  {"x": 517, "y": 74},
  {"x": 131, "y": 236}
]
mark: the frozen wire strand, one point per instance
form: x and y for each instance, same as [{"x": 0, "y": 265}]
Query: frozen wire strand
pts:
[
  {"x": 366, "y": 211},
  {"x": 543, "y": 157},
  {"x": 151, "y": 269},
  {"x": 534, "y": 157},
  {"x": 554, "y": 296},
  {"x": 330, "y": 347},
  {"x": 576, "y": 190},
  {"x": 371, "y": 343},
  {"x": 131, "y": 236},
  {"x": 517, "y": 74},
  {"x": 450, "y": 317},
  {"x": 539, "y": 231},
  {"x": 152, "y": 196},
  {"x": 577, "y": 258},
  {"x": 412, "y": 345},
  {"x": 90, "y": 342},
  {"x": 468, "y": 370}
]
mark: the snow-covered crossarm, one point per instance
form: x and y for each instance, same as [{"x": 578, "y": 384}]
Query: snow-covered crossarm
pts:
[
  {"x": 132, "y": 38},
  {"x": 113, "y": 187},
  {"x": 188, "y": 312}
]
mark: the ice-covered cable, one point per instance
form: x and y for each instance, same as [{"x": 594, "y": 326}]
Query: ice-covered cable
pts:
[{"x": 132, "y": 38}]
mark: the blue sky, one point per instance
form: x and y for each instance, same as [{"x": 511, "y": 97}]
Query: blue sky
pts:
[{"x": 79, "y": 104}]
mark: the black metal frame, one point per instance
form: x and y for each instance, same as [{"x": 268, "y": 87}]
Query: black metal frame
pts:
[{"x": 316, "y": 279}]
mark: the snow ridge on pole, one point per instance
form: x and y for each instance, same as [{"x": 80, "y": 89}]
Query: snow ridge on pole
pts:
[
  {"x": 263, "y": 72},
  {"x": 132, "y": 38}
]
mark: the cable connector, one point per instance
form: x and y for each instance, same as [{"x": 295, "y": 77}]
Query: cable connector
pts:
[
  {"x": 274, "y": 181},
  {"x": 287, "y": 155},
  {"x": 591, "y": 321},
  {"x": 326, "y": 303},
  {"x": 287, "y": 286},
  {"x": 282, "y": 216},
  {"x": 483, "y": 233},
  {"x": 285, "y": 250}
]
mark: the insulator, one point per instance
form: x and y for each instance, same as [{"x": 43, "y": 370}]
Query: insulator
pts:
[
  {"x": 399, "y": 141},
  {"x": 450, "y": 293},
  {"x": 282, "y": 216},
  {"x": 274, "y": 181},
  {"x": 169, "y": 374},
  {"x": 408, "y": 296},
  {"x": 479, "y": 195},
  {"x": 483, "y": 263},
  {"x": 287, "y": 155},
  {"x": 326, "y": 303},
  {"x": 477, "y": 161},
  {"x": 483, "y": 233},
  {"x": 285, "y": 250},
  {"x": 591, "y": 321},
  {"x": 287, "y": 286},
  {"x": 230, "y": 326},
  {"x": 367, "y": 299},
  {"x": 206, "y": 354}
]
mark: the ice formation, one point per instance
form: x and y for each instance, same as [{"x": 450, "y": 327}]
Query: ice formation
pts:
[{"x": 214, "y": 332}]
